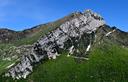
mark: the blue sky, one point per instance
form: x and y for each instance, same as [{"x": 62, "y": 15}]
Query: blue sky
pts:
[{"x": 21, "y": 14}]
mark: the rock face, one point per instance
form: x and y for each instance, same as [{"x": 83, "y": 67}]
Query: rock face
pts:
[{"x": 80, "y": 30}]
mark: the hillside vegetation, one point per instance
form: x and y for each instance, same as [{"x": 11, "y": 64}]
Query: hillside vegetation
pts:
[{"x": 107, "y": 63}]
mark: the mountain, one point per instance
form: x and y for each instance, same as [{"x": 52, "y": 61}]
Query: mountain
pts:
[{"x": 70, "y": 48}]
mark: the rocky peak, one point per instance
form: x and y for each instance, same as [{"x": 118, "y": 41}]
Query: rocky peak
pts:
[
  {"x": 90, "y": 13},
  {"x": 68, "y": 36}
]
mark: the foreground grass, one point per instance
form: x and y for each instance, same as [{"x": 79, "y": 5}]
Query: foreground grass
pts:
[
  {"x": 4, "y": 64},
  {"x": 106, "y": 64},
  {"x": 109, "y": 64}
]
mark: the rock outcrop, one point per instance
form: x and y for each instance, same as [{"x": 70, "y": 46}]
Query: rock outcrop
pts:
[{"x": 80, "y": 30}]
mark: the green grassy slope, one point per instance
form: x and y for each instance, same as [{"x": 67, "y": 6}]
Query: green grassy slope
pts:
[{"x": 105, "y": 64}]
